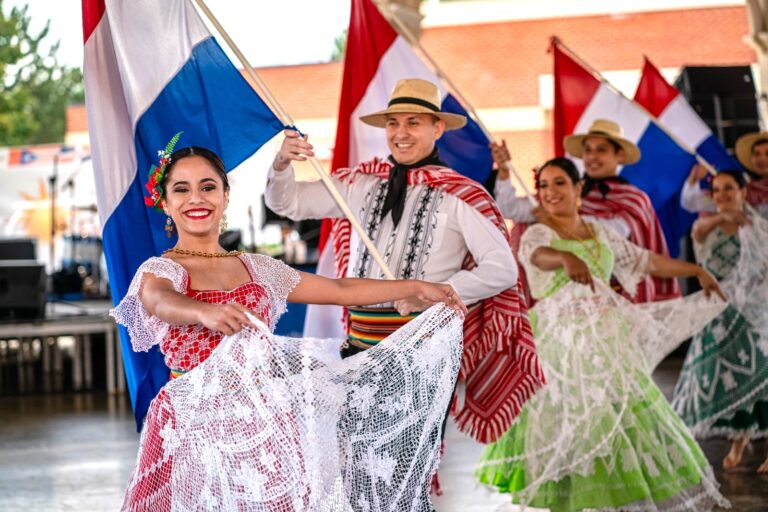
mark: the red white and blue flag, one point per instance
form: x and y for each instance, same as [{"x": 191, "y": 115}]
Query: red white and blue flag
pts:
[
  {"x": 153, "y": 69},
  {"x": 581, "y": 98},
  {"x": 376, "y": 58},
  {"x": 672, "y": 110}
]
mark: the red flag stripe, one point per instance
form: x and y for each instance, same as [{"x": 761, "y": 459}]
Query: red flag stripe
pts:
[
  {"x": 574, "y": 89},
  {"x": 653, "y": 91},
  {"x": 368, "y": 38},
  {"x": 93, "y": 10}
]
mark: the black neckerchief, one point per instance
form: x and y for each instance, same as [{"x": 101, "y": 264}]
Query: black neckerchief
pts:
[
  {"x": 397, "y": 184},
  {"x": 602, "y": 184}
]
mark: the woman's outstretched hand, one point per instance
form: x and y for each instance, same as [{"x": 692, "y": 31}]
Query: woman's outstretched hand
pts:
[
  {"x": 428, "y": 294},
  {"x": 709, "y": 284},
  {"x": 227, "y": 318},
  {"x": 577, "y": 270}
]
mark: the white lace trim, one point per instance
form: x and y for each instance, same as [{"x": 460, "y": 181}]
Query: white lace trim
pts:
[
  {"x": 747, "y": 286},
  {"x": 278, "y": 277},
  {"x": 147, "y": 330},
  {"x": 630, "y": 261}
]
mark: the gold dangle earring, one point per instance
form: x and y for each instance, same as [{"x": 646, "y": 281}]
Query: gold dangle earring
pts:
[
  {"x": 223, "y": 223},
  {"x": 168, "y": 227}
]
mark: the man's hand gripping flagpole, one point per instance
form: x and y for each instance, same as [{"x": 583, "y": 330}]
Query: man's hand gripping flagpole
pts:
[{"x": 287, "y": 121}]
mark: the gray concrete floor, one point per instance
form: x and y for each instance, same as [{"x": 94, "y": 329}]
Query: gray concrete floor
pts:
[{"x": 62, "y": 452}]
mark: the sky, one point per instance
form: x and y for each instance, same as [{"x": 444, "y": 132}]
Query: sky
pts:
[{"x": 269, "y": 32}]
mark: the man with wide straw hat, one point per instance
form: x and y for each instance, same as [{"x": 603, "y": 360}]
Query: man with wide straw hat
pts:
[
  {"x": 606, "y": 197},
  {"x": 752, "y": 153},
  {"x": 428, "y": 222}
]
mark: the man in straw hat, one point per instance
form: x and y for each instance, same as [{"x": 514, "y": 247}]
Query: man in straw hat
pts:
[
  {"x": 606, "y": 198},
  {"x": 752, "y": 153},
  {"x": 428, "y": 222}
]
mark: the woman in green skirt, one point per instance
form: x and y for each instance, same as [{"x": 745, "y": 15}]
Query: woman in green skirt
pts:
[
  {"x": 600, "y": 435},
  {"x": 723, "y": 387}
]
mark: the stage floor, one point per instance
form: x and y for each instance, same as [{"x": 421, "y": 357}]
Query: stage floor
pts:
[{"x": 62, "y": 452}]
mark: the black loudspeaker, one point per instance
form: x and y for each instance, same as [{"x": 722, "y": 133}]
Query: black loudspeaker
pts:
[
  {"x": 231, "y": 239},
  {"x": 22, "y": 290},
  {"x": 17, "y": 249},
  {"x": 724, "y": 97},
  {"x": 68, "y": 280}
]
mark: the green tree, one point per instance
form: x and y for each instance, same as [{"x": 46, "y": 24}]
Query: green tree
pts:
[
  {"x": 36, "y": 89},
  {"x": 339, "y": 46}
]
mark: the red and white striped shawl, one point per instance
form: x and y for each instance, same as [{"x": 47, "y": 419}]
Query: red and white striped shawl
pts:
[
  {"x": 633, "y": 206},
  {"x": 757, "y": 192},
  {"x": 499, "y": 363}
]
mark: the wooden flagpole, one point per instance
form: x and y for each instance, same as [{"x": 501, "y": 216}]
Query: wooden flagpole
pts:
[
  {"x": 699, "y": 159},
  {"x": 275, "y": 106},
  {"x": 400, "y": 27}
]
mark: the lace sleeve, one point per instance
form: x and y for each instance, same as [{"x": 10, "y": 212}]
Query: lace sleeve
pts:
[
  {"x": 279, "y": 278},
  {"x": 630, "y": 261},
  {"x": 534, "y": 237},
  {"x": 144, "y": 329},
  {"x": 703, "y": 250}
]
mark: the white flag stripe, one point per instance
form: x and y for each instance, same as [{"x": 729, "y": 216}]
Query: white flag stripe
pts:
[
  {"x": 606, "y": 104},
  {"x": 680, "y": 119},
  {"x": 110, "y": 126},
  {"x": 399, "y": 61},
  {"x": 144, "y": 70}
]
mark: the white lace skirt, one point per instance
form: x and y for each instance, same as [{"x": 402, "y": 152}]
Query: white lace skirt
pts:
[{"x": 279, "y": 424}]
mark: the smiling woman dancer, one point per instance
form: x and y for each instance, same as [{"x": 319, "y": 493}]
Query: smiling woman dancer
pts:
[
  {"x": 600, "y": 434},
  {"x": 259, "y": 422},
  {"x": 723, "y": 386}
]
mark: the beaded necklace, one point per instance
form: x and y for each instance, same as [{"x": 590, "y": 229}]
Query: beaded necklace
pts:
[
  {"x": 594, "y": 250},
  {"x": 203, "y": 254}
]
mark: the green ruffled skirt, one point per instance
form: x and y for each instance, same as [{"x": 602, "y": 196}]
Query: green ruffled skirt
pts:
[{"x": 640, "y": 473}]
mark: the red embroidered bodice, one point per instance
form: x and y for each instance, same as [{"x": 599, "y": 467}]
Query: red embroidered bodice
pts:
[{"x": 186, "y": 346}]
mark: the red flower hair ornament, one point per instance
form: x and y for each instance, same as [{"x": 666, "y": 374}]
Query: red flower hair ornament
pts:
[{"x": 157, "y": 175}]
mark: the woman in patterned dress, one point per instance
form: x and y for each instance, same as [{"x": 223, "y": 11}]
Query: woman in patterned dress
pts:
[
  {"x": 723, "y": 387},
  {"x": 187, "y": 301},
  {"x": 600, "y": 435}
]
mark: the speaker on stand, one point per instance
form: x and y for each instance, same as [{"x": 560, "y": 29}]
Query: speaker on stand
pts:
[{"x": 724, "y": 97}]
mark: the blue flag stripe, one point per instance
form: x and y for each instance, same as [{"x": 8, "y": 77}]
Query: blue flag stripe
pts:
[
  {"x": 210, "y": 101},
  {"x": 660, "y": 173},
  {"x": 465, "y": 150}
]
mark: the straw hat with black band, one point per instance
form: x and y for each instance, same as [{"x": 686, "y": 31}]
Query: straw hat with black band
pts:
[
  {"x": 415, "y": 96},
  {"x": 744, "y": 146},
  {"x": 574, "y": 144}
]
